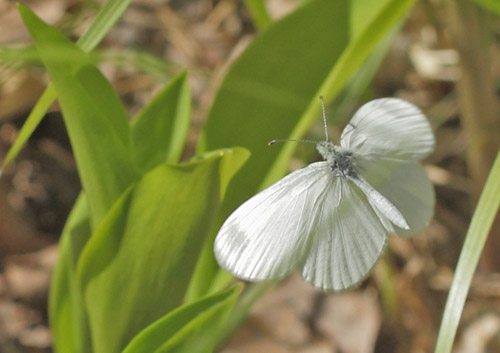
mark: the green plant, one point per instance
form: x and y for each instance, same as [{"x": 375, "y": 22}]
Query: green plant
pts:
[
  {"x": 132, "y": 185},
  {"x": 136, "y": 271}
]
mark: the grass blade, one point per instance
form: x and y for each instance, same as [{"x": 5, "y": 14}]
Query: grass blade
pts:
[{"x": 486, "y": 210}]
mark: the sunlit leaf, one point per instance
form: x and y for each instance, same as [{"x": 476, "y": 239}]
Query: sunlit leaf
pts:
[
  {"x": 94, "y": 116},
  {"x": 67, "y": 312},
  {"x": 138, "y": 263},
  {"x": 190, "y": 328},
  {"x": 107, "y": 16},
  {"x": 159, "y": 130}
]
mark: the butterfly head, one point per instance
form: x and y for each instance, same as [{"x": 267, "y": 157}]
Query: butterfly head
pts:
[{"x": 326, "y": 149}]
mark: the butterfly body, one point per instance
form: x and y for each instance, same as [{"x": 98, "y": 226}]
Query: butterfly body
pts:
[
  {"x": 341, "y": 160},
  {"x": 331, "y": 219}
]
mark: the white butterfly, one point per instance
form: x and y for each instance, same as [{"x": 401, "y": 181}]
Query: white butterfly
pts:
[{"x": 331, "y": 219}]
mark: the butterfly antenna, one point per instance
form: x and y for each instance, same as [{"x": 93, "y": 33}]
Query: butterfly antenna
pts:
[
  {"x": 324, "y": 116},
  {"x": 290, "y": 140}
]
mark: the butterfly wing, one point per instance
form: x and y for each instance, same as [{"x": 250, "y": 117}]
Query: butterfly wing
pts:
[
  {"x": 407, "y": 187},
  {"x": 348, "y": 239},
  {"x": 269, "y": 235},
  {"x": 386, "y": 135},
  {"x": 380, "y": 203},
  {"x": 388, "y": 128}
]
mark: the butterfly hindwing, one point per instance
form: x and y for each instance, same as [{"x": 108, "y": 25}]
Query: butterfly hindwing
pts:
[
  {"x": 407, "y": 187},
  {"x": 380, "y": 203}
]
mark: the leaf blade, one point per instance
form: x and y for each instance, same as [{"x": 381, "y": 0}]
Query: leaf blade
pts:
[
  {"x": 149, "y": 240},
  {"x": 158, "y": 140},
  {"x": 482, "y": 220},
  {"x": 67, "y": 313},
  {"x": 186, "y": 328},
  {"x": 107, "y": 16},
  {"x": 95, "y": 118}
]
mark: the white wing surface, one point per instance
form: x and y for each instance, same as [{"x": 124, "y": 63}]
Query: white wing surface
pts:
[
  {"x": 270, "y": 234},
  {"x": 348, "y": 240},
  {"x": 380, "y": 203},
  {"x": 389, "y": 128},
  {"x": 406, "y": 186}
]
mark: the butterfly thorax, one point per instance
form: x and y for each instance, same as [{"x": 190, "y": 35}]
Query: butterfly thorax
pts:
[{"x": 340, "y": 159}]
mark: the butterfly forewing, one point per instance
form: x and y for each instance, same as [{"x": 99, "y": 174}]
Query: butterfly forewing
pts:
[
  {"x": 388, "y": 128},
  {"x": 269, "y": 235},
  {"x": 348, "y": 240}
]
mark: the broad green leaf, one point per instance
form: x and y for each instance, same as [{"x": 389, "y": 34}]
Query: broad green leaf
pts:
[
  {"x": 486, "y": 210},
  {"x": 67, "y": 310},
  {"x": 272, "y": 89},
  {"x": 138, "y": 263},
  {"x": 107, "y": 16},
  {"x": 200, "y": 279},
  {"x": 189, "y": 328},
  {"x": 96, "y": 122},
  {"x": 159, "y": 130},
  {"x": 491, "y": 5},
  {"x": 67, "y": 313},
  {"x": 106, "y": 100}
]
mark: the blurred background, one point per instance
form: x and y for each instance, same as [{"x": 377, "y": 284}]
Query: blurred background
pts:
[{"x": 445, "y": 59}]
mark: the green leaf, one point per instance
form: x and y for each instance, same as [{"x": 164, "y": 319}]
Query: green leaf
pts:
[
  {"x": 345, "y": 103},
  {"x": 109, "y": 13},
  {"x": 189, "y": 328},
  {"x": 490, "y": 5},
  {"x": 259, "y": 13},
  {"x": 201, "y": 280},
  {"x": 107, "y": 16},
  {"x": 272, "y": 89},
  {"x": 138, "y": 263},
  {"x": 486, "y": 210},
  {"x": 94, "y": 116},
  {"x": 67, "y": 313},
  {"x": 160, "y": 129}
]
